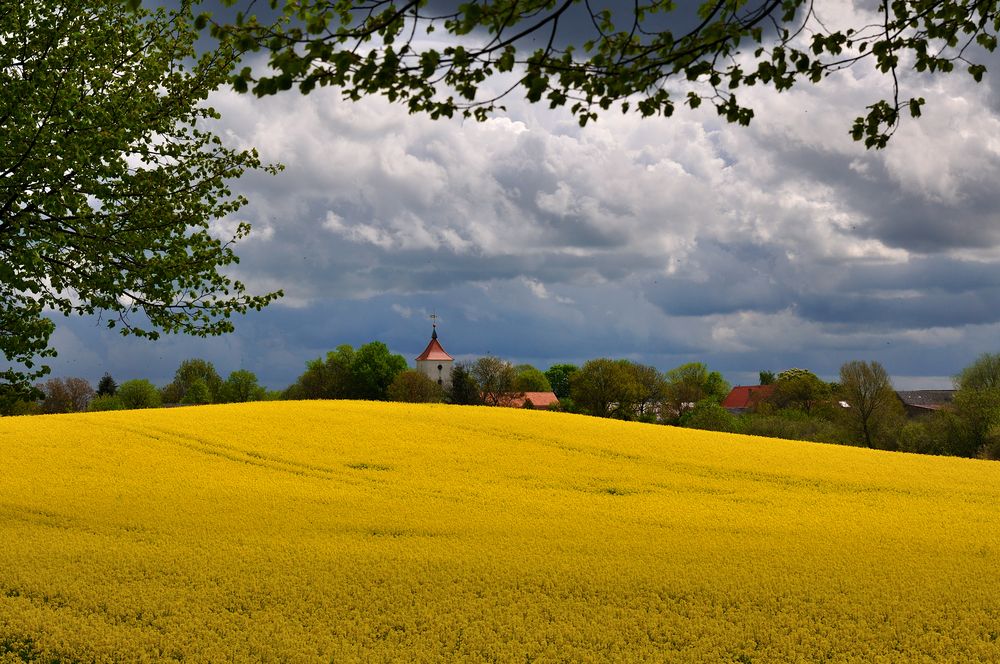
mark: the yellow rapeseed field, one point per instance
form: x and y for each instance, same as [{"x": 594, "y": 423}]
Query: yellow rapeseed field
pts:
[{"x": 346, "y": 531}]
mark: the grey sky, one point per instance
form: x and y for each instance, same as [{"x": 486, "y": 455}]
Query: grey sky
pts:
[{"x": 663, "y": 240}]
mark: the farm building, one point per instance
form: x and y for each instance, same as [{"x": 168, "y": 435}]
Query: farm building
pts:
[
  {"x": 745, "y": 397},
  {"x": 921, "y": 402}
]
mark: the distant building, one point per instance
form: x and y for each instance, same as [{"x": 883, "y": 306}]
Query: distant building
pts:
[
  {"x": 539, "y": 400},
  {"x": 434, "y": 362},
  {"x": 746, "y": 397},
  {"x": 921, "y": 402}
]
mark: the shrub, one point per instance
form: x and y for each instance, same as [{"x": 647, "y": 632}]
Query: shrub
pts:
[
  {"x": 106, "y": 402},
  {"x": 710, "y": 416}
]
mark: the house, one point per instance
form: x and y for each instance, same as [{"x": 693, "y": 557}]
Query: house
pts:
[
  {"x": 746, "y": 397},
  {"x": 539, "y": 400},
  {"x": 921, "y": 402}
]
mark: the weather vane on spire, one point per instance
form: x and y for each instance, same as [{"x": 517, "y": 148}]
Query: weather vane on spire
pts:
[{"x": 434, "y": 325}]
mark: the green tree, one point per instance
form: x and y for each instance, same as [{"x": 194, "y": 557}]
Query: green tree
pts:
[
  {"x": 495, "y": 378},
  {"x": 651, "y": 389},
  {"x": 372, "y": 370},
  {"x": 530, "y": 379},
  {"x": 241, "y": 386},
  {"x": 559, "y": 377},
  {"x": 138, "y": 393},
  {"x": 766, "y": 377},
  {"x": 106, "y": 387},
  {"x": 197, "y": 393},
  {"x": 414, "y": 387},
  {"x": 977, "y": 402},
  {"x": 605, "y": 388},
  {"x": 874, "y": 412},
  {"x": 983, "y": 374},
  {"x": 799, "y": 389},
  {"x": 637, "y": 57},
  {"x": 690, "y": 383},
  {"x": 187, "y": 374},
  {"x": 365, "y": 373},
  {"x": 111, "y": 178},
  {"x": 464, "y": 389}
]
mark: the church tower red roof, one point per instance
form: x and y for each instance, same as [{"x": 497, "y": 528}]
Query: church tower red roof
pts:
[{"x": 434, "y": 351}]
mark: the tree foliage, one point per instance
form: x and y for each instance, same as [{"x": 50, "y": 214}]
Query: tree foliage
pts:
[
  {"x": 605, "y": 388},
  {"x": 103, "y": 402},
  {"x": 188, "y": 373},
  {"x": 110, "y": 178},
  {"x": 106, "y": 386},
  {"x": 464, "y": 390},
  {"x": 138, "y": 393},
  {"x": 559, "y": 376},
  {"x": 414, "y": 387},
  {"x": 530, "y": 379},
  {"x": 646, "y": 57},
  {"x": 690, "y": 383},
  {"x": 710, "y": 416},
  {"x": 241, "y": 386},
  {"x": 346, "y": 373},
  {"x": 66, "y": 395},
  {"x": 197, "y": 393},
  {"x": 495, "y": 378},
  {"x": 873, "y": 410},
  {"x": 799, "y": 389}
]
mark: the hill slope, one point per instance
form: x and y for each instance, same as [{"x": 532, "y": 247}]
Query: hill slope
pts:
[{"x": 319, "y": 531}]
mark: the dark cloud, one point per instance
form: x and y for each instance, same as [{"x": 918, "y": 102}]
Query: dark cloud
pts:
[{"x": 665, "y": 241}]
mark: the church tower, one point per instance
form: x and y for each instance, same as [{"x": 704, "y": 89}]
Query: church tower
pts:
[{"x": 434, "y": 362}]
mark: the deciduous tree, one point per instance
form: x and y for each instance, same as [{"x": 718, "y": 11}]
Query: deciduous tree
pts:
[
  {"x": 241, "y": 386},
  {"x": 495, "y": 378},
  {"x": 799, "y": 389},
  {"x": 414, "y": 387},
  {"x": 874, "y": 407},
  {"x": 559, "y": 377},
  {"x": 646, "y": 57},
  {"x": 110, "y": 178},
  {"x": 605, "y": 388},
  {"x": 138, "y": 393},
  {"x": 464, "y": 389},
  {"x": 187, "y": 374},
  {"x": 346, "y": 373},
  {"x": 690, "y": 383},
  {"x": 66, "y": 395},
  {"x": 530, "y": 379}
]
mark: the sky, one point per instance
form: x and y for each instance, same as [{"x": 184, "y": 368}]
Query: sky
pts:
[{"x": 661, "y": 240}]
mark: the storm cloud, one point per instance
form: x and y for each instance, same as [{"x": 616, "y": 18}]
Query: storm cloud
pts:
[{"x": 664, "y": 240}]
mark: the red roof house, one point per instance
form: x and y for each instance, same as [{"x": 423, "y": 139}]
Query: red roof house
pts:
[
  {"x": 539, "y": 400},
  {"x": 744, "y": 397}
]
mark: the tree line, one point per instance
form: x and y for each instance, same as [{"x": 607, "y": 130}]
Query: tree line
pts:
[{"x": 861, "y": 408}]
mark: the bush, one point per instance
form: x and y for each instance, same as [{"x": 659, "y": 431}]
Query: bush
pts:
[
  {"x": 794, "y": 425},
  {"x": 138, "y": 393},
  {"x": 710, "y": 416},
  {"x": 106, "y": 402}
]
